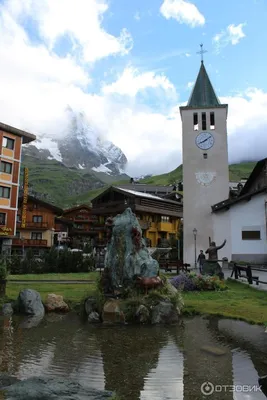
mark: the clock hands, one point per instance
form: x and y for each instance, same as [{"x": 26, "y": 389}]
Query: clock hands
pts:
[{"x": 203, "y": 141}]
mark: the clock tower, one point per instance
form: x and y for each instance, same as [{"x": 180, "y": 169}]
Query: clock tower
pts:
[{"x": 205, "y": 168}]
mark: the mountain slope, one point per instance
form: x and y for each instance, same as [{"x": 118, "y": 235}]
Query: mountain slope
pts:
[
  {"x": 236, "y": 172},
  {"x": 55, "y": 183}
]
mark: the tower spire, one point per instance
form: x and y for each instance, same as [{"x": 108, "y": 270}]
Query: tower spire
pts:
[{"x": 201, "y": 52}]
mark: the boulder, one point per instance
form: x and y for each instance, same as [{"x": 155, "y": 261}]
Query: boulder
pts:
[
  {"x": 50, "y": 388},
  {"x": 55, "y": 303},
  {"x": 29, "y": 302},
  {"x": 142, "y": 314},
  {"x": 112, "y": 312},
  {"x": 164, "y": 313},
  {"x": 7, "y": 309},
  {"x": 94, "y": 317},
  {"x": 90, "y": 305},
  {"x": 7, "y": 380},
  {"x": 263, "y": 384}
]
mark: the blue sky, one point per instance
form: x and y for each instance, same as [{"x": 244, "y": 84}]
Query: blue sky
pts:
[{"x": 129, "y": 65}]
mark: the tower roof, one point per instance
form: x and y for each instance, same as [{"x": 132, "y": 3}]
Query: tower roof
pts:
[{"x": 203, "y": 94}]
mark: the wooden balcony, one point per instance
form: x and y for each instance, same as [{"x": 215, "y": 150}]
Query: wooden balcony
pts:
[
  {"x": 29, "y": 242},
  {"x": 34, "y": 225}
]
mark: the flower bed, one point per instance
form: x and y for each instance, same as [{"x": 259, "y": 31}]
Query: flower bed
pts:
[{"x": 191, "y": 281}]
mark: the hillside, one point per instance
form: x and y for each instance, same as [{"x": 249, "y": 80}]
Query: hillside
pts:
[{"x": 237, "y": 172}]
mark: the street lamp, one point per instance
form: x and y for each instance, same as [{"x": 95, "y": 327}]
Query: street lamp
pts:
[{"x": 195, "y": 240}]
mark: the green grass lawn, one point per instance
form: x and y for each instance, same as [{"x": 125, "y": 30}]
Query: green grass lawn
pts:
[
  {"x": 72, "y": 293},
  {"x": 239, "y": 301},
  {"x": 80, "y": 276}
]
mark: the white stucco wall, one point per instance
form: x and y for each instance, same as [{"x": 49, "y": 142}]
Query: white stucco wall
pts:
[
  {"x": 197, "y": 198},
  {"x": 246, "y": 215}
]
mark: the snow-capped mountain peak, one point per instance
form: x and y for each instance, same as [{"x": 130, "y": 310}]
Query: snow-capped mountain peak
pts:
[{"x": 81, "y": 146}]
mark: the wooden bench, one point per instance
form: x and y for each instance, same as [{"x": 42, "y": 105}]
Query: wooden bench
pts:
[
  {"x": 237, "y": 269},
  {"x": 170, "y": 266}
]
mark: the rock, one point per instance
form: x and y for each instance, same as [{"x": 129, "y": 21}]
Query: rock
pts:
[
  {"x": 172, "y": 291},
  {"x": 127, "y": 255},
  {"x": 263, "y": 384},
  {"x": 90, "y": 305},
  {"x": 112, "y": 312},
  {"x": 216, "y": 351},
  {"x": 29, "y": 302},
  {"x": 7, "y": 309},
  {"x": 94, "y": 317},
  {"x": 164, "y": 313},
  {"x": 36, "y": 388},
  {"x": 142, "y": 314},
  {"x": 7, "y": 380},
  {"x": 55, "y": 303}
]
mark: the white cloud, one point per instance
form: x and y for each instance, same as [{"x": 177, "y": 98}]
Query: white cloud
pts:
[
  {"x": 36, "y": 86},
  {"x": 132, "y": 81},
  {"x": 137, "y": 16},
  {"x": 190, "y": 85},
  {"x": 183, "y": 11},
  {"x": 80, "y": 20},
  {"x": 231, "y": 35}
]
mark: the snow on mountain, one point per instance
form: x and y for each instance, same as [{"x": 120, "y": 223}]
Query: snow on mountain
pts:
[{"x": 81, "y": 146}]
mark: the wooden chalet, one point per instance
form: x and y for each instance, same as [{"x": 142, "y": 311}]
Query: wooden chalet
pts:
[
  {"x": 159, "y": 218},
  {"x": 37, "y": 232},
  {"x": 85, "y": 225}
]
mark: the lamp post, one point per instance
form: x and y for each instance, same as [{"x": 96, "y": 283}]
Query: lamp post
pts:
[{"x": 195, "y": 240}]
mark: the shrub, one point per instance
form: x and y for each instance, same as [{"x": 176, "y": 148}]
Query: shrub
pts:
[
  {"x": 191, "y": 281},
  {"x": 205, "y": 282},
  {"x": 51, "y": 261},
  {"x": 3, "y": 270},
  {"x": 183, "y": 282}
]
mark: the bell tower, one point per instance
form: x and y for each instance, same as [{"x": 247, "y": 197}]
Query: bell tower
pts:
[{"x": 205, "y": 166}]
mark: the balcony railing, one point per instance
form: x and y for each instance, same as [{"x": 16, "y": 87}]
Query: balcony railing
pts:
[
  {"x": 33, "y": 225},
  {"x": 29, "y": 242}
]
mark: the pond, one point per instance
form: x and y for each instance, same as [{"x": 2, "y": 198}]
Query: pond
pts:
[{"x": 141, "y": 362}]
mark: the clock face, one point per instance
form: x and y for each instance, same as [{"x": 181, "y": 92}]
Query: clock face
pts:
[{"x": 205, "y": 140}]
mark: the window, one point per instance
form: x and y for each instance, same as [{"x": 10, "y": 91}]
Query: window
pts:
[
  {"x": 18, "y": 235},
  {"x": 164, "y": 218},
  {"x": 204, "y": 122},
  {"x": 5, "y": 192},
  {"x": 6, "y": 167},
  {"x": 195, "y": 118},
  {"x": 8, "y": 143},
  {"x": 212, "y": 120},
  {"x": 205, "y": 155},
  {"x": 36, "y": 236},
  {"x": 251, "y": 235},
  {"x": 18, "y": 218},
  {"x": 37, "y": 218},
  {"x": 2, "y": 218}
]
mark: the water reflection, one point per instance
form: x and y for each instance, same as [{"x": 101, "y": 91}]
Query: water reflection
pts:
[
  {"x": 170, "y": 366},
  {"x": 137, "y": 362}
]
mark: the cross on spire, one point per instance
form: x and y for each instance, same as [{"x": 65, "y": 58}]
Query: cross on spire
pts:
[{"x": 201, "y": 52}]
